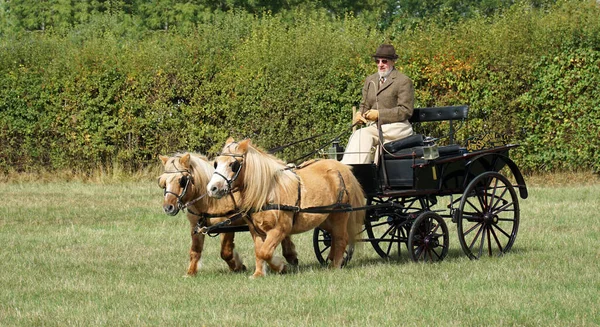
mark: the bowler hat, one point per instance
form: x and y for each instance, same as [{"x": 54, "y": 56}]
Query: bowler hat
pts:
[{"x": 386, "y": 51}]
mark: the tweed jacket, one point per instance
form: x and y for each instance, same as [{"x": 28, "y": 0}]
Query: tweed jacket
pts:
[{"x": 394, "y": 99}]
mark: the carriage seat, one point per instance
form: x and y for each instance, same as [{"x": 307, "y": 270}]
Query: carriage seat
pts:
[
  {"x": 415, "y": 143},
  {"x": 417, "y": 152},
  {"x": 405, "y": 143}
]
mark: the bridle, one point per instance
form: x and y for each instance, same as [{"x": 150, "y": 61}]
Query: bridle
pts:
[
  {"x": 184, "y": 183},
  {"x": 236, "y": 168}
]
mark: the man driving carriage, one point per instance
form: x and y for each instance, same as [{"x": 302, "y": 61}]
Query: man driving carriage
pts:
[{"x": 387, "y": 100}]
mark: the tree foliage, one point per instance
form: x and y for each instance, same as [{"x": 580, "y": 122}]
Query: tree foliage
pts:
[{"x": 119, "y": 88}]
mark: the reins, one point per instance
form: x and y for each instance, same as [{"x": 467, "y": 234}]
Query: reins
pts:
[{"x": 282, "y": 147}]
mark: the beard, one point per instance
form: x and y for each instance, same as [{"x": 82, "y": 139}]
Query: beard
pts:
[{"x": 385, "y": 73}]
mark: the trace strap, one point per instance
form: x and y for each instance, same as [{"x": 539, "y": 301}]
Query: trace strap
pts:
[{"x": 208, "y": 229}]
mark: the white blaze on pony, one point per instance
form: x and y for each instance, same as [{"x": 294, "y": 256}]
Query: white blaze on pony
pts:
[{"x": 281, "y": 201}]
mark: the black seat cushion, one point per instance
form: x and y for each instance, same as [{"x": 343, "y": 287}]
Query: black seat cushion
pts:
[
  {"x": 405, "y": 143},
  {"x": 445, "y": 151}
]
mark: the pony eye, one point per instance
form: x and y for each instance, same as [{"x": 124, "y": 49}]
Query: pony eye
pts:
[{"x": 215, "y": 165}]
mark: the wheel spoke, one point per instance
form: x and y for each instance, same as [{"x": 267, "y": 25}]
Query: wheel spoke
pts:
[
  {"x": 500, "y": 197},
  {"x": 388, "y": 232},
  {"x": 472, "y": 229},
  {"x": 505, "y": 208},
  {"x": 507, "y": 219},
  {"x": 474, "y": 207},
  {"x": 489, "y": 241},
  {"x": 419, "y": 251},
  {"x": 502, "y": 231},
  {"x": 436, "y": 254},
  {"x": 497, "y": 240},
  {"x": 476, "y": 235},
  {"x": 325, "y": 249},
  {"x": 482, "y": 241},
  {"x": 429, "y": 254},
  {"x": 391, "y": 242},
  {"x": 492, "y": 196}
]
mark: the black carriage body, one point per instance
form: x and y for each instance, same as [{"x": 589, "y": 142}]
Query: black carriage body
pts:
[{"x": 411, "y": 175}]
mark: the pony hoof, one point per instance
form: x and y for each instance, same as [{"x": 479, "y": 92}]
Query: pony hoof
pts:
[
  {"x": 255, "y": 276},
  {"x": 284, "y": 270}
]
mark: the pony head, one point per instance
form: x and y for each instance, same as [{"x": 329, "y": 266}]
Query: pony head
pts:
[
  {"x": 260, "y": 177},
  {"x": 229, "y": 168},
  {"x": 179, "y": 179}
]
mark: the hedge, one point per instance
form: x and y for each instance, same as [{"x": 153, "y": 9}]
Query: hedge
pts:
[{"x": 97, "y": 95}]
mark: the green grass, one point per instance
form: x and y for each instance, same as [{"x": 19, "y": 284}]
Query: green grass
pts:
[{"x": 91, "y": 254}]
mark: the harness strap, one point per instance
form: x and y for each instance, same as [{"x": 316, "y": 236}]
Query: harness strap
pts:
[
  {"x": 208, "y": 229},
  {"x": 336, "y": 207},
  {"x": 298, "y": 200},
  {"x": 204, "y": 216}
]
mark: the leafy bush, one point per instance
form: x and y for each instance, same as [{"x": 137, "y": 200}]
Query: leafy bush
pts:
[{"x": 110, "y": 93}]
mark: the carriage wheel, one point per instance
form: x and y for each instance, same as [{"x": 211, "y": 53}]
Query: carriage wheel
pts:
[
  {"x": 322, "y": 246},
  {"x": 488, "y": 216},
  {"x": 388, "y": 229},
  {"x": 428, "y": 238}
]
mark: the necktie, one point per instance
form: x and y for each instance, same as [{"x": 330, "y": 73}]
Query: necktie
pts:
[{"x": 381, "y": 81}]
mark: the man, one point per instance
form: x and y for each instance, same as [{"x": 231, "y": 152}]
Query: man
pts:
[{"x": 387, "y": 100}]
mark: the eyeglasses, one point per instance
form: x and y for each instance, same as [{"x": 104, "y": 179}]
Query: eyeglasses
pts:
[{"x": 383, "y": 61}]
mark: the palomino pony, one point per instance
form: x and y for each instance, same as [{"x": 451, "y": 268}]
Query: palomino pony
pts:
[
  {"x": 280, "y": 201},
  {"x": 184, "y": 182}
]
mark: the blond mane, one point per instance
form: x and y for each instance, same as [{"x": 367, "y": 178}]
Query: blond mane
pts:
[{"x": 267, "y": 180}]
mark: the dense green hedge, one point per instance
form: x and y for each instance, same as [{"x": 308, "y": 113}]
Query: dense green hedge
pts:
[{"x": 99, "y": 95}]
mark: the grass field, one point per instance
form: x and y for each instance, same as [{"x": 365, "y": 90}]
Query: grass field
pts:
[{"x": 87, "y": 254}]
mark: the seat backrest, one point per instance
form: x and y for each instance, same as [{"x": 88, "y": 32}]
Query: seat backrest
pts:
[{"x": 439, "y": 113}]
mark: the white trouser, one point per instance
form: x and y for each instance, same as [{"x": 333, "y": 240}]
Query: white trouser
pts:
[{"x": 358, "y": 149}]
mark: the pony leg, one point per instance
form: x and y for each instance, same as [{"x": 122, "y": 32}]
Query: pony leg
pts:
[
  {"x": 264, "y": 249},
  {"x": 229, "y": 255},
  {"x": 195, "y": 252},
  {"x": 339, "y": 239},
  {"x": 288, "y": 250},
  {"x": 273, "y": 239},
  {"x": 258, "y": 243}
]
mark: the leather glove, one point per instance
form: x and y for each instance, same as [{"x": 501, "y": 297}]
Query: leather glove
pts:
[
  {"x": 358, "y": 119},
  {"x": 372, "y": 114}
]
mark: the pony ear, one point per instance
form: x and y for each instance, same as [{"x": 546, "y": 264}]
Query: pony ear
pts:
[
  {"x": 244, "y": 145},
  {"x": 185, "y": 160},
  {"x": 229, "y": 140},
  {"x": 164, "y": 159}
]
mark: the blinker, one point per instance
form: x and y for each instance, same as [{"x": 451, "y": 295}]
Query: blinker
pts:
[
  {"x": 184, "y": 180},
  {"x": 235, "y": 166}
]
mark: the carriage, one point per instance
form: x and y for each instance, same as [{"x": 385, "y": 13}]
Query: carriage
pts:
[
  {"x": 409, "y": 177},
  {"x": 403, "y": 189}
]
